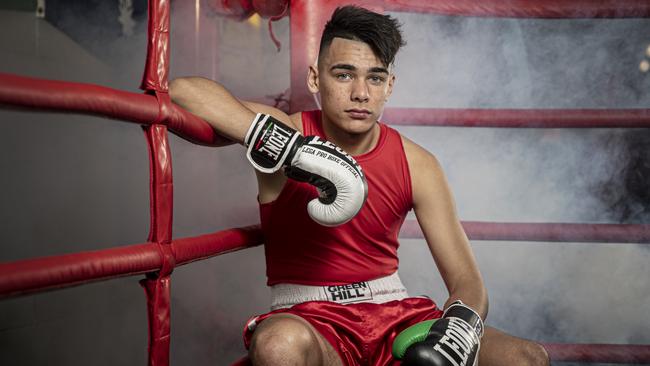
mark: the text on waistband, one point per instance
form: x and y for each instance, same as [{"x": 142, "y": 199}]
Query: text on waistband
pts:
[{"x": 353, "y": 292}]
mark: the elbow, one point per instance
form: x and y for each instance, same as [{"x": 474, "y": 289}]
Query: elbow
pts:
[
  {"x": 189, "y": 91},
  {"x": 482, "y": 299},
  {"x": 188, "y": 87},
  {"x": 486, "y": 303},
  {"x": 181, "y": 89}
]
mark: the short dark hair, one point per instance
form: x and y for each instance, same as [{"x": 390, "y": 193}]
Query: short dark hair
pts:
[{"x": 381, "y": 32}]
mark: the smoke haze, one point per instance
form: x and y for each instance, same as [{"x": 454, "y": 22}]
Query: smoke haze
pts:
[{"x": 75, "y": 183}]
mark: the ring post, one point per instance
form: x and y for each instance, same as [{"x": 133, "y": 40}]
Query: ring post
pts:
[{"x": 157, "y": 285}]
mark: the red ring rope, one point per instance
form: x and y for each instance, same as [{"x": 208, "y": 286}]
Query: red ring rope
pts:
[
  {"x": 518, "y": 118},
  {"x": 65, "y": 96},
  {"x": 545, "y": 232},
  {"x": 599, "y": 353},
  {"x": 559, "y": 9}
]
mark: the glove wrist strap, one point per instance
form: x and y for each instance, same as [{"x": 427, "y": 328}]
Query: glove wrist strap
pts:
[
  {"x": 271, "y": 143},
  {"x": 459, "y": 310}
]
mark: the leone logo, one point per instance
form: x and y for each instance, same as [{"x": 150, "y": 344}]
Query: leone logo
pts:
[{"x": 273, "y": 141}]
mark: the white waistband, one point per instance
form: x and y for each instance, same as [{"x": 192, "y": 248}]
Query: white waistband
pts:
[{"x": 376, "y": 291}]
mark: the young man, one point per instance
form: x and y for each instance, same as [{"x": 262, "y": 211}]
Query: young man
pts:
[{"x": 332, "y": 262}]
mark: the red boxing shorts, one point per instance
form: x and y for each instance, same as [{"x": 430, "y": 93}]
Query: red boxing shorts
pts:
[{"x": 361, "y": 333}]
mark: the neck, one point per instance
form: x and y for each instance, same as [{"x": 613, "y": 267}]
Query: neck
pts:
[{"x": 353, "y": 143}]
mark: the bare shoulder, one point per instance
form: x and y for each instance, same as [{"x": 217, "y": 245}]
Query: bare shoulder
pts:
[
  {"x": 419, "y": 159},
  {"x": 427, "y": 178}
]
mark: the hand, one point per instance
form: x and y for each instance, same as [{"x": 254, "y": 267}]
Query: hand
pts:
[
  {"x": 453, "y": 340},
  {"x": 339, "y": 179}
]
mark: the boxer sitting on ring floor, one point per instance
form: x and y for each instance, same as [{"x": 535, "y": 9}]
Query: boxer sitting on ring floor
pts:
[{"x": 335, "y": 186}]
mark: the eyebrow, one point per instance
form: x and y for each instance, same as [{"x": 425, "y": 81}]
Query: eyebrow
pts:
[
  {"x": 379, "y": 69},
  {"x": 354, "y": 68},
  {"x": 343, "y": 66}
]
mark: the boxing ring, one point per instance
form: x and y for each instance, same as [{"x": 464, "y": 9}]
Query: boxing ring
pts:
[{"x": 157, "y": 115}]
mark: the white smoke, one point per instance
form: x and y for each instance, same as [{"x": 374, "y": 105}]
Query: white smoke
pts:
[{"x": 542, "y": 291}]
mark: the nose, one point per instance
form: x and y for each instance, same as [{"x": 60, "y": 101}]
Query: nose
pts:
[{"x": 359, "y": 91}]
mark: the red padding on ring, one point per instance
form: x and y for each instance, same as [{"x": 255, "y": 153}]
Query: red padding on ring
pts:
[
  {"x": 158, "y": 292},
  {"x": 38, "y": 274},
  {"x": 34, "y": 275},
  {"x": 92, "y": 99},
  {"x": 205, "y": 246},
  {"x": 161, "y": 185},
  {"x": 156, "y": 69}
]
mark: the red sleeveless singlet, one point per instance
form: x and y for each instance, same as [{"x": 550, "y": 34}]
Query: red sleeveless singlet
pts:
[{"x": 299, "y": 250}]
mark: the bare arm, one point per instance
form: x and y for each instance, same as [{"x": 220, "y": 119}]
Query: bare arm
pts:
[
  {"x": 216, "y": 105},
  {"x": 230, "y": 117},
  {"x": 436, "y": 213}
]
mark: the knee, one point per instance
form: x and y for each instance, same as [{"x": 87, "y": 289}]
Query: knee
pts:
[
  {"x": 282, "y": 341},
  {"x": 534, "y": 354}
]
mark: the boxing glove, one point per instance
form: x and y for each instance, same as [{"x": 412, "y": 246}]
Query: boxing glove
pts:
[
  {"x": 336, "y": 175},
  {"x": 453, "y": 340}
]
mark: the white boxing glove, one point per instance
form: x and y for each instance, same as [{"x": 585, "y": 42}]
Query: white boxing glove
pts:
[{"x": 339, "y": 179}]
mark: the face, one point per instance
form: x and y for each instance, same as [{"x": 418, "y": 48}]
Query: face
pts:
[{"x": 353, "y": 83}]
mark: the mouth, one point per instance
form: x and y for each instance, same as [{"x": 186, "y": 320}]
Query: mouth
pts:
[{"x": 355, "y": 113}]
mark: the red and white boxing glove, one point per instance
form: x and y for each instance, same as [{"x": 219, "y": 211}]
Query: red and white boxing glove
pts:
[{"x": 339, "y": 179}]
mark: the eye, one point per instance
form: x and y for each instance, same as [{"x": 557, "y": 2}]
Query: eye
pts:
[
  {"x": 344, "y": 76},
  {"x": 376, "y": 79}
]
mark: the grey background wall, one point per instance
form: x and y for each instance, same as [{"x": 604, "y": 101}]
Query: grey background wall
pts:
[{"x": 72, "y": 183}]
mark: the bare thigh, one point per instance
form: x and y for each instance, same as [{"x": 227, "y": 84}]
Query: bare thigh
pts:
[
  {"x": 499, "y": 348},
  {"x": 330, "y": 355}
]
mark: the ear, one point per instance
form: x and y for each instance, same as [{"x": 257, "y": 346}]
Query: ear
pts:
[
  {"x": 312, "y": 79},
  {"x": 391, "y": 82}
]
